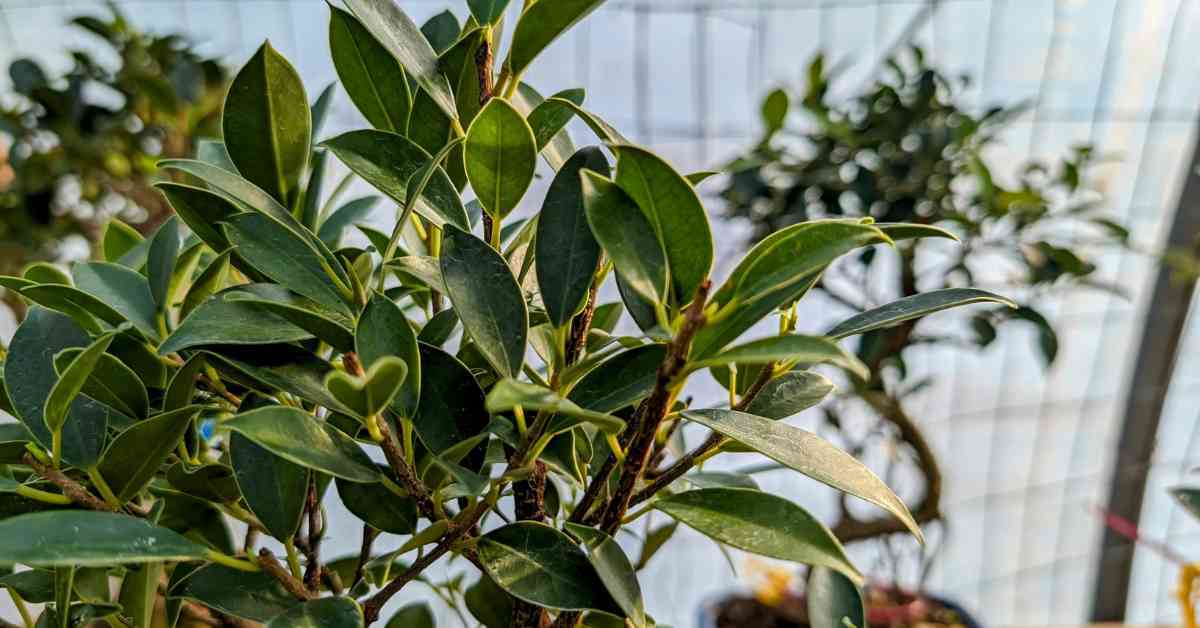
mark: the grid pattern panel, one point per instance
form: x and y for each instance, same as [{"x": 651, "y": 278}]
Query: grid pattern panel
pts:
[{"x": 1026, "y": 451}]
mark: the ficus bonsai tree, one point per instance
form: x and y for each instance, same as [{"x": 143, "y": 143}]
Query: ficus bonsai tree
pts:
[
  {"x": 458, "y": 384},
  {"x": 82, "y": 147},
  {"x": 907, "y": 149}
]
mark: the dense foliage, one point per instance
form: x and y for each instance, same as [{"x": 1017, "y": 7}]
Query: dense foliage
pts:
[
  {"x": 81, "y": 147},
  {"x": 241, "y": 360},
  {"x": 908, "y": 150}
]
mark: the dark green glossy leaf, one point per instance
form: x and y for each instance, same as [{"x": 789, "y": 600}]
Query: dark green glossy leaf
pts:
[
  {"x": 272, "y": 368},
  {"x": 70, "y": 383},
  {"x": 135, "y": 455},
  {"x": 487, "y": 298},
  {"x": 807, "y": 453},
  {"x": 89, "y": 539},
  {"x": 416, "y": 615},
  {"x": 118, "y": 239},
  {"x": 139, "y": 592},
  {"x": 401, "y": 37},
  {"x": 242, "y": 193},
  {"x": 673, "y": 207},
  {"x": 211, "y": 280},
  {"x": 86, "y": 310},
  {"x": 487, "y": 11},
  {"x": 488, "y": 603},
  {"x": 760, "y": 523},
  {"x": 379, "y": 507},
  {"x": 548, "y": 120},
  {"x": 279, "y": 253},
  {"x": 834, "y": 601},
  {"x": 384, "y": 331},
  {"x": 913, "y": 307},
  {"x": 501, "y": 157},
  {"x": 370, "y": 74},
  {"x": 256, "y": 596},
  {"x": 789, "y": 394},
  {"x": 627, "y": 236},
  {"x": 328, "y": 325},
  {"x": 353, "y": 212},
  {"x": 510, "y": 393},
  {"x": 427, "y": 270},
  {"x": 910, "y": 231},
  {"x": 452, "y": 405},
  {"x": 160, "y": 261},
  {"x": 212, "y": 151},
  {"x": 440, "y": 31},
  {"x": 267, "y": 124},
  {"x": 619, "y": 381},
  {"x": 274, "y": 488},
  {"x": 182, "y": 386},
  {"x": 298, "y": 437},
  {"x": 614, "y": 570},
  {"x": 567, "y": 254},
  {"x": 232, "y": 317},
  {"x": 213, "y": 482},
  {"x": 122, "y": 289},
  {"x": 320, "y": 109},
  {"x": 800, "y": 349},
  {"x": 439, "y": 328},
  {"x": 13, "y": 438},
  {"x": 1189, "y": 498},
  {"x": 29, "y": 375},
  {"x": 35, "y": 586},
  {"x": 541, "y": 565},
  {"x": 388, "y": 162},
  {"x": 329, "y": 612},
  {"x": 370, "y": 394},
  {"x": 111, "y": 383},
  {"x": 542, "y": 24}
]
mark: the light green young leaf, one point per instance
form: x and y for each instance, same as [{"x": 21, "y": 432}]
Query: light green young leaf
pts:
[
  {"x": 912, "y": 307},
  {"x": 369, "y": 395},
  {"x": 501, "y": 157},
  {"x": 540, "y": 25},
  {"x": 295, "y": 435},
  {"x": 487, "y": 298},
  {"x": 800, "y": 349},
  {"x": 392, "y": 27},
  {"x": 808, "y": 454},
  {"x": 628, "y": 237},
  {"x": 510, "y": 393},
  {"x": 383, "y": 331},
  {"x": 70, "y": 383},
  {"x": 118, "y": 239},
  {"x": 370, "y": 74},
  {"x": 267, "y": 125},
  {"x": 45, "y": 272},
  {"x": 760, "y": 523}
]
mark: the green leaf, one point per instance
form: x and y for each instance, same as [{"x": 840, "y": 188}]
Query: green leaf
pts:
[
  {"x": 139, "y": 591},
  {"x": 392, "y": 27},
  {"x": 367, "y": 396},
  {"x": 800, "y": 349},
  {"x": 379, "y": 507},
  {"x": 78, "y": 538},
  {"x": 70, "y": 383},
  {"x": 135, "y": 455},
  {"x": 510, "y": 393},
  {"x": 488, "y": 603},
  {"x": 267, "y": 125},
  {"x": 501, "y": 157},
  {"x": 327, "y": 325},
  {"x": 275, "y": 489},
  {"x": 35, "y": 586},
  {"x": 439, "y": 328},
  {"x": 548, "y": 119},
  {"x": 614, "y": 570},
  {"x": 160, "y": 261},
  {"x": 487, "y": 11},
  {"x": 211, "y": 280},
  {"x": 672, "y": 206},
  {"x": 29, "y": 376},
  {"x": 487, "y": 298},
  {"x": 353, "y": 212},
  {"x": 296, "y": 436},
  {"x": 834, "y": 601},
  {"x": 441, "y": 31},
  {"x": 452, "y": 407},
  {"x": 566, "y": 252},
  {"x": 118, "y": 239},
  {"x": 541, "y": 565},
  {"x": 277, "y": 252},
  {"x": 627, "y": 236},
  {"x": 912, "y": 307},
  {"x": 329, "y": 612},
  {"x": 759, "y": 523},
  {"x": 182, "y": 386},
  {"x": 212, "y": 151},
  {"x": 774, "y": 110},
  {"x": 416, "y": 615},
  {"x": 233, "y": 188},
  {"x": 720, "y": 479},
  {"x": 45, "y": 272},
  {"x": 383, "y": 331},
  {"x": 122, "y": 289},
  {"x": 111, "y": 383},
  {"x": 789, "y": 394},
  {"x": 1189, "y": 498},
  {"x": 807, "y": 453},
  {"x": 906, "y": 231},
  {"x": 777, "y": 271},
  {"x": 253, "y": 595},
  {"x": 388, "y": 162},
  {"x": 369, "y": 73},
  {"x": 227, "y": 319},
  {"x": 213, "y": 482},
  {"x": 540, "y": 25},
  {"x": 621, "y": 380},
  {"x": 425, "y": 269},
  {"x": 273, "y": 368},
  {"x": 606, "y": 132}
]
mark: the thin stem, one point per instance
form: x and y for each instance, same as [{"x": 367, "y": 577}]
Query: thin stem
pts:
[
  {"x": 56, "y": 447},
  {"x": 105, "y": 490},
  {"x": 292, "y": 584},
  {"x": 26, "y": 618},
  {"x": 293, "y": 558},
  {"x": 231, "y": 562},
  {"x": 72, "y": 489},
  {"x": 43, "y": 496}
]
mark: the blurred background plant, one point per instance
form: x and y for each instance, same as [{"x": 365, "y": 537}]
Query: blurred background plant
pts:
[
  {"x": 81, "y": 147},
  {"x": 907, "y": 150}
]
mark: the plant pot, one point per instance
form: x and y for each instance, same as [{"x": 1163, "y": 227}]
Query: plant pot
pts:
[{"x": 742, "y": 610}]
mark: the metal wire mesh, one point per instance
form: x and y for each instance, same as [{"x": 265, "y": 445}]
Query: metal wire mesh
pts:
[{"x": 1026, "y": 450}]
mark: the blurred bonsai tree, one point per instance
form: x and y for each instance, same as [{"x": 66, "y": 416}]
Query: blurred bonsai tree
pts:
[
  {"x": 82, "y": 147},
  {"x": 908, "y": 150}
]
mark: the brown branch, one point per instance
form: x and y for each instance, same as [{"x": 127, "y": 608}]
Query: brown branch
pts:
[
  {"x": 407, "y": 476},
  {"x": 364, "y": 554},
  {"x": 75, "y": 491},
  {"x": 580, "y": 326},
  {"x": 316, "y": 530},
  {"x": 271, "y": 567}
]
